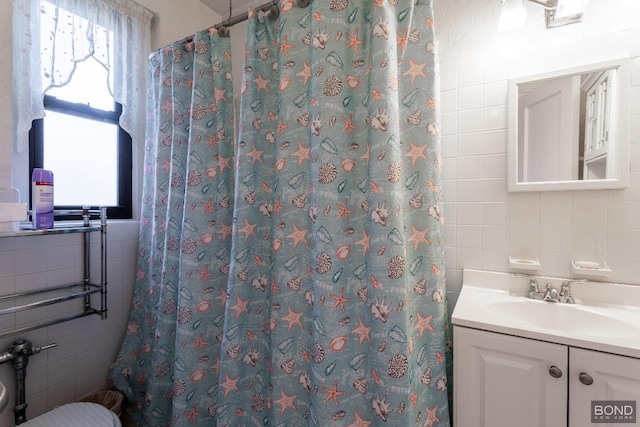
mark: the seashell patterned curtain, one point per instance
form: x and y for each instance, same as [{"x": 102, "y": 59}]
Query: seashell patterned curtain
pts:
[{"x": 308, "y": 287}]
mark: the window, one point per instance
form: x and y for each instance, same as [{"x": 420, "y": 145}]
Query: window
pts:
[
  {"x": 88, "y": 58},
  {"x": 81, "y": 142}
]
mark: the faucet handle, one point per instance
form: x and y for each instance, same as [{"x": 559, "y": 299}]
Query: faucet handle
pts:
[
  {"x": 38, "y": 349},
  {"x": 565, "y": 290},
  {"x": 534, "y": 290},
  {"x": 533, "y": 282},
  {"x": 22, "y": 347}
]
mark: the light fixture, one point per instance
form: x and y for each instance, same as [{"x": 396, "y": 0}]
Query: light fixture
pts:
[
  {"x": 557, "y": 12},
  {"x": 565, "y": 12},
  {"x": 512, "y": 16}
]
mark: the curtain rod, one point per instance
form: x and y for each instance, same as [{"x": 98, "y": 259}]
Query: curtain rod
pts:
[
  {"x": 223, "y": 27},
  {"x": 271, "y": 6}
]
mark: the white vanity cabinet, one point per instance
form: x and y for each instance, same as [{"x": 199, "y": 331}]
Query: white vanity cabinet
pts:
[
  {"x": 614, "y": 378},
  {"x": 502, "y": 380}
]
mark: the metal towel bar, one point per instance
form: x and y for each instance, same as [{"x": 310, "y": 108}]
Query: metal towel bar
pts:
[{"x": 22, "y": 301}]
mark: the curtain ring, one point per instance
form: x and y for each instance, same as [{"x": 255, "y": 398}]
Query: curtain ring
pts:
[
  {"x": 274, "y": 12},
  {"x": 303, "y": 3},
  {"x": 223, "y": 30}
]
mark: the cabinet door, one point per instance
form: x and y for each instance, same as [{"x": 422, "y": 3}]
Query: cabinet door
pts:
[
  {"x": 505, "y": 381},
  {"x": 600, "y": 125},
  {"x": 614, "y": 378}
]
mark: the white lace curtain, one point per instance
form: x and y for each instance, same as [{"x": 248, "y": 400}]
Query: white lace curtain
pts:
[{"x": 42, "y": 62}]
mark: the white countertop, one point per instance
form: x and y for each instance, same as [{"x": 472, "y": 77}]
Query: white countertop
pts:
[{"x": 606, "y": 316}]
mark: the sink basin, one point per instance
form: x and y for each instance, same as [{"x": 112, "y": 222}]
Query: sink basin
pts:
[
  {"x": 606, "y": 316},
  {"x": 568, "y": 318}
]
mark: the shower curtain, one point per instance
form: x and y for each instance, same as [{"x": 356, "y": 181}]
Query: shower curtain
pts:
[{"x": 309, "y": 289}]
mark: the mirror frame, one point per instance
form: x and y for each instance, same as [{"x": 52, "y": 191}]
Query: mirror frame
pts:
[{"x": 622, "y": 127}]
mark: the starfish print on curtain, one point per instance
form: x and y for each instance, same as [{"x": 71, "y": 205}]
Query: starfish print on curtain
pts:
[
  {"x": 301, "y": 281},
  {"x": 337, "y": 311},
  {"x": 168, "y": 363}
]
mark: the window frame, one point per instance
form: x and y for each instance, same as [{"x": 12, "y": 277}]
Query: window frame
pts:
[{"x": 124, "y": 208}]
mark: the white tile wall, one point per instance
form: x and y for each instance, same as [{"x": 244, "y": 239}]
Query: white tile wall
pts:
[
  {"x": 485, "y": 223},
  {"x": 87, "y": 346},
  {"x": 27, "y": 263}
]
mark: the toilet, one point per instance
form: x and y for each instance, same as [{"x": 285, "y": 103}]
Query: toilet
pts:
[{"x": 81, "y": 414}]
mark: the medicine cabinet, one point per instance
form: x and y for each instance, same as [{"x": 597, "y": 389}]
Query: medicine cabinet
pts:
[{"x": 569, "y": 129}]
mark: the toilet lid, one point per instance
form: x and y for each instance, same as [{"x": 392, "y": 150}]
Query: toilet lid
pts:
[{"x": 80, "y": 414}]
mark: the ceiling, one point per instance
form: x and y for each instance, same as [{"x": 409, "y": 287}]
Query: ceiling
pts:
[{"x": 221, "y": 7}]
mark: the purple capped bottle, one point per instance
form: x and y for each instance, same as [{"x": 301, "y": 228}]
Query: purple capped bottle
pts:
[{"x": 42, "y": 199}]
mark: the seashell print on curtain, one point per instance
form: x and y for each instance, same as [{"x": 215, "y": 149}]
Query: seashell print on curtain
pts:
[
  {"x": 321, "y": 285},
  {"x": 173, "y": 336}
]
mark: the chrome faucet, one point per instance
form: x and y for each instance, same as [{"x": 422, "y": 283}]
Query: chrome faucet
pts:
[{"x": 550, "y": 293}]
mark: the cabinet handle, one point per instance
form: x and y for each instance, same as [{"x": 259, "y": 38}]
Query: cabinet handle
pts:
[
  {"x": 585, "y": 378},
  {"x": 555, "y": 372}
]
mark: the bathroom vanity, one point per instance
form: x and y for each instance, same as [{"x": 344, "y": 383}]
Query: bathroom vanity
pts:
[{"x": 526, "y": 362}]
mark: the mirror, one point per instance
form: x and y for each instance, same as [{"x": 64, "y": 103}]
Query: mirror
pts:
[{"x": 568, "y": 130}]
